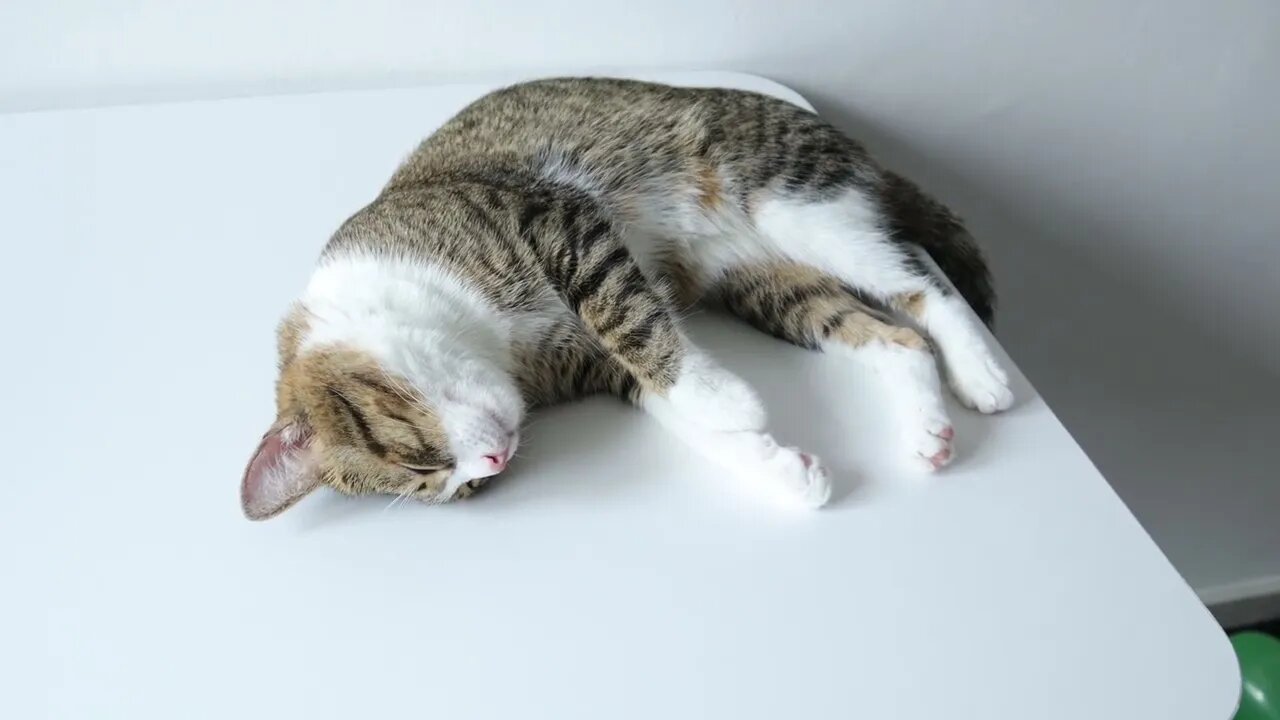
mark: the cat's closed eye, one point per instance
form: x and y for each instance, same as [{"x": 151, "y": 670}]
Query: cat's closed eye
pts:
[{"x": 422, "y": 469}]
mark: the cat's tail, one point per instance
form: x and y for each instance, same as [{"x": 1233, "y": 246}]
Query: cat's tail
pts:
[{"x": 916, "y": 218}]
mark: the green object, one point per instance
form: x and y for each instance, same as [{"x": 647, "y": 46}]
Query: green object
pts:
[{"x": 1259, "y": 657}]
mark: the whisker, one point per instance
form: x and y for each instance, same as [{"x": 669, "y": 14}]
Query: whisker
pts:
[
  {"x": 339, "y": 393},
  {"x": 400, "y": 498},
  {"x": 686, "y": 313},
  {"x": 397, "y": 386},
  {"x": 531, "y": 422}
]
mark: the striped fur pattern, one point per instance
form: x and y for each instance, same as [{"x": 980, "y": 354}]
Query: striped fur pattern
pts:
[
  {"x": 539, "y": 247},
  {"x": 808, "y": 307}
]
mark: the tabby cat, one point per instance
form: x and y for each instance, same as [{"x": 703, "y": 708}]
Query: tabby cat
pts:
[{"x": 540, "y": 246}]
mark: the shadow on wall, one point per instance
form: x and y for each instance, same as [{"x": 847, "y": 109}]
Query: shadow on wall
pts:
[{"x": 1181, "y": 427}]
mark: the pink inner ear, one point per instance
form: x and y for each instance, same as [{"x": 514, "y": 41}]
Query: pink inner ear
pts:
[{"x": 279, "y": 474}]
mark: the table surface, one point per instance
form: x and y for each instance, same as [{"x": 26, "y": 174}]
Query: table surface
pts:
[{"x": 613, "y": 573}]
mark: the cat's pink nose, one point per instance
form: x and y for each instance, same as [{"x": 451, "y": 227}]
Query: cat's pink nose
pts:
[{"x": 497, "y": 461}]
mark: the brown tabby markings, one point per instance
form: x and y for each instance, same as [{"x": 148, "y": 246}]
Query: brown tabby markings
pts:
[
  {"x": 366, "y": 423},
  {"x": 910, "y": 303},
  {"x": 709, "y": 188},
  {"x": 684, "y": 282},
  {"x": 806, "y": 306},
  {"x": 568, "y": 363}
]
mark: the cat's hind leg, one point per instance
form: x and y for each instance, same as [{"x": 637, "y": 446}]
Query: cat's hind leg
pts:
[
  {"x": 975, "y": 376},
  {"x": 815, "y": 310},
  {"x": 847, "y": 236}
]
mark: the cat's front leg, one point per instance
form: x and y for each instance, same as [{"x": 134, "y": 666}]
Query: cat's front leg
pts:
[
  {"x": 633, "y": 322},
  {"x": 681, "y": 385},
  {"x": 751, "y": 455},
  {"x": 719, "y": 415},
  {"x": 714, "y": 398}
]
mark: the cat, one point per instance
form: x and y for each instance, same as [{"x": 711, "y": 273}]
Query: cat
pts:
[{"x": 539, "y": 246}]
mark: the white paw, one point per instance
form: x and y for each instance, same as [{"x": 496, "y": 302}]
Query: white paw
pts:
[
  {"x": 911, "y": 379},
  {"x": 715, "y": 398},
  {"x": 758, "y": 457},
  {"x": 976, "y": 378},
  {"x": 926, "y": 425},
  {"x": 979, "y": 382},
  {"x": 929, "y": 444},
  {"x": 800, "y": 473},
  {"x": 813, "y": 486}
]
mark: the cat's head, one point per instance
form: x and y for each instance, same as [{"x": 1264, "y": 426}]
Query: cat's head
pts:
[{"x": 432, "y": 429}]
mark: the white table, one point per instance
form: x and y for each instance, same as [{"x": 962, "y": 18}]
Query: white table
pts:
[{"x": 148, "y": 252}]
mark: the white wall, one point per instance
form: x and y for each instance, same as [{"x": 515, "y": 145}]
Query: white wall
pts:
[{"x": 1120, "y": 160}]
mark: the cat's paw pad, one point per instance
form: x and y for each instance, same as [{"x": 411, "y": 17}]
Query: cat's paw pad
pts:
[
  {"x": 930, "y": 444},
  {"x": 802, "y": 474},
  {"x": 980, "y": 383},
  {"x": 715, "y": 398}
]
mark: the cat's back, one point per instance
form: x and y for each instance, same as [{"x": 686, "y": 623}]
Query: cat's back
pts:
[
  {"x": 612, "y": 127},
  {"x": 598, "y": 110},
  {"x": 569, "y": 105}
]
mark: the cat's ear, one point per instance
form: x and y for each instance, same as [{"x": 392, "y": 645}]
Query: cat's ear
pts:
[{"x": 280, "y": 473}]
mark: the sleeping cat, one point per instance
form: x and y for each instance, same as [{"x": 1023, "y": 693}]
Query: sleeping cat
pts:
[{"x": 539, "y": 247}]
